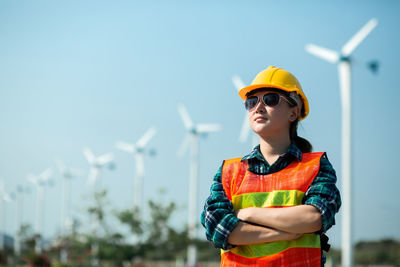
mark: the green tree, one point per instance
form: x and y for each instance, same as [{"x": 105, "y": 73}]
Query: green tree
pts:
[
  {"x": 163, "y": 242},
  {"x": 132, "y": 219},
  {"x": 106, "y": 243},
  {"x": 386, "y": 251}
]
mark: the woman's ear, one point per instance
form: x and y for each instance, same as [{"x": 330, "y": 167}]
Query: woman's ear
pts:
[{"x": 294, "y": 114}]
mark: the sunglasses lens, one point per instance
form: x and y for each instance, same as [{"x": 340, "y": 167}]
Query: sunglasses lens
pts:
[
  {"x": 250, "y": 102},
  {"x": 271, "y": 99}
]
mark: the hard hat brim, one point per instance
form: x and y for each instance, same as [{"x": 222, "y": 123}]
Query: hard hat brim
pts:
[{"x": 245, "y": 90}]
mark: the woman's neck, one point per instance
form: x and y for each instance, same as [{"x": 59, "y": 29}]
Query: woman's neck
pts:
[{"x": 271, "y": 149}]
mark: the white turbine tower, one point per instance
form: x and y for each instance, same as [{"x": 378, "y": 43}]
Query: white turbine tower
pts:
[
  {"x": 192, "y": 139},
  {"x": 19, "y": 211},
  {"x": 95, "y": 165},
  {"x": 66, "y": 221},
  {"x": 244, "y": 132},
  {"x": 40, "y": 182},
  {"x": 66, "y": 175},
  {"x": 4, "y": 197},
  {"x": 138, "y": 151},
  {"x": 343, "y": 60}
]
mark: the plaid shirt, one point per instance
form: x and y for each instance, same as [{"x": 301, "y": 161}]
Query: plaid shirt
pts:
[{"x": 218, "y": 216}]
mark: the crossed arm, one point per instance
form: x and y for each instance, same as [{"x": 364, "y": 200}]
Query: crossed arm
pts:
[
  {"x": 261, "y": 225},
  {"x": 225, "y": 228}
]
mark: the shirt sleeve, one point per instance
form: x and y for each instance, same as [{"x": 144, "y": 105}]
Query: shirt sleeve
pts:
[
  {"x": 323, "y": 194},
  {"x": 218, "y": 216}
]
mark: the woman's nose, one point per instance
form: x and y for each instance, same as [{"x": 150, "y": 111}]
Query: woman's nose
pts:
[{"x": 260, "y": 107}]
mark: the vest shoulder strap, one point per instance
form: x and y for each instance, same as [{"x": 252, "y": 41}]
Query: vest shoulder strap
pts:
[
  {"x": 230, "y": 161},
  {"x": 312, "y": 155},
  {"x": 231, "y": 169}
]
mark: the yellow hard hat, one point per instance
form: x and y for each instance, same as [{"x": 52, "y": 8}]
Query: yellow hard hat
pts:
[{"x": 274, "y": 77}]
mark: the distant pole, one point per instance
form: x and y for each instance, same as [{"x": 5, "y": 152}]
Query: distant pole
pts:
[
  {"x": 65, "y": 216},
  {"x": 96, "y": 163},
  {"x": 344, "y": 66},
  {"x": 68, "y": 221},
  {"x": 192, "y": 139},
  {"x": 64, "y": 204},
  {"x": 2, "y": 222},
  {"x": 347, "y": 240},
  {"x": 138, "y": 198},
  {"x": 17, "y": 243},
  {"x": 138, "y": 151},
  {"x": 95, "y": 225},
  {"x": 192, "y": 250},
  {"x": 39, "y": 217},
  {"x": 40, "y": 183}
]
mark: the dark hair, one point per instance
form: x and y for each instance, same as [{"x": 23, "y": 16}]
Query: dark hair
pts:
[{"x": 302, "y": 143}]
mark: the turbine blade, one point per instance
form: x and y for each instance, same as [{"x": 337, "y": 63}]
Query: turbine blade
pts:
[
  {"x": 125, "y": 147},
  {"x": 206, "y": 128},
  {"x": 324, "y": 53},
  {"x": 45, "y": 175},
  {"x": 185, "y": 116},
  {"x": 146, "y": 137},
  {"x": 244, "y": 133},
  {"x": 104, "y": 159},
  {"x": 89, "y": 155},
  {"x": 31, "y": 178},
  {"x": 184, "y": 146},
  {"x": 238, "y": 82},
  {"x": 6, "y": 197},
  {"x": 352, "y": 44}
]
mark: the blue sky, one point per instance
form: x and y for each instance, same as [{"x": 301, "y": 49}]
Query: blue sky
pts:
[{"x": 89, "y": 73}]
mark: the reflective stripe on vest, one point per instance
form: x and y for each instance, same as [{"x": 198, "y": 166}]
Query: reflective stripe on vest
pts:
[{"x": 281, "y": 189}]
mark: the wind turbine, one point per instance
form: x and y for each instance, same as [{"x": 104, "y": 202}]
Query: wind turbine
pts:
[
  {"x": 194, "y": 130},
  {"x": 66, "y": 174},
  {"x": 244, "y": 132},
  {"x": 40, "y": 182},
  {"x": 343, "y": 60},
  {"x": 66, "y": 222},
  {"x": 4, "y": 197},
  {"x": 138, "y": 150},
  {"x": 96, "y": 164},
  {"x": 19, "y": 211}
]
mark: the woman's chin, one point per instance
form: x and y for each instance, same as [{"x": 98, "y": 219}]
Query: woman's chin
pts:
[{"x": 260, "y": 130}]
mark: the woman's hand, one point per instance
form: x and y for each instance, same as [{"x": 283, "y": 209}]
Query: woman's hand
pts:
[{"x": 244, "y": 214}]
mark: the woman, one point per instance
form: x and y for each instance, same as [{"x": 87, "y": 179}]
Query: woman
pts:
[{"x": 271, "y": 207}]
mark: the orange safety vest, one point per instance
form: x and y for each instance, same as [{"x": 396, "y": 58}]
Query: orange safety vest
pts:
[{"x": 281, "y": 189}]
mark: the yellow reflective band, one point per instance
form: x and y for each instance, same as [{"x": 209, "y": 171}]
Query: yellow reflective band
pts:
[
  {"x": 268, "y": 199},
  {"x": 268, "y": 249}
]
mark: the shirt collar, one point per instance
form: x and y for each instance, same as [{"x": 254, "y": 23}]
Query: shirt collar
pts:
[{"x": 293, "y": 150}]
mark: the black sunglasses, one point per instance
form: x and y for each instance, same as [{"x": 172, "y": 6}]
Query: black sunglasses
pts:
[{"x": 269, "y": 99}]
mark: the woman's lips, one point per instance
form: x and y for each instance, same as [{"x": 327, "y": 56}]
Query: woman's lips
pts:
[{"x": 260, "y": 118}]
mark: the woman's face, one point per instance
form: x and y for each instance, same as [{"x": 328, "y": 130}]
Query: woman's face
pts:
[{"x": 273, "y": 121}]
